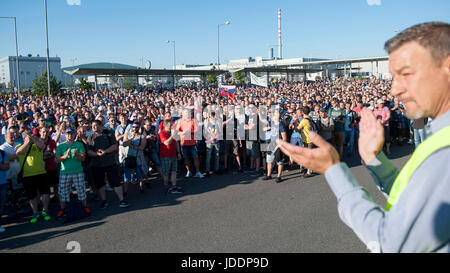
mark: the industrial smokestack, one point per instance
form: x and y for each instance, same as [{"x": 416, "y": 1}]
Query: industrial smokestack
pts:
[{"x": 279, "y": 34}]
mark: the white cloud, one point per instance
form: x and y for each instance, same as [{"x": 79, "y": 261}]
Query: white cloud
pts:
[
  {"x": 373, "y": 2},
  {"x": 73, "y": 2}
]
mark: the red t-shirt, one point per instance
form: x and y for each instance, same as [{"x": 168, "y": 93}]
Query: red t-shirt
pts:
[
  {"x": 189, "y": 125},
  {"x": 50, "y": 164},
  {"x": 167, "y": 150}
]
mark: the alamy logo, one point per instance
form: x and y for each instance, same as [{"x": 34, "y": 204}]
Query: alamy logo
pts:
[{"x": 73, "y": 247}]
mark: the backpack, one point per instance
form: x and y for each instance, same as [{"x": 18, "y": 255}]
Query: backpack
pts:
[
  {"x": 74, "y": 212},
  {"x": 313, "y": 126}
]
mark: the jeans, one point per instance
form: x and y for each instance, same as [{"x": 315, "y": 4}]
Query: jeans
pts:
[
  {"x": 155, "y": 158},
  {"x": 419, "y": 136},
  {"x": 210, "y": 147},
  {"x": 351, "y": 135},
  {"x": 3, "y": 188},
  {"x": 128, "y": 172},
  {"x": 296, "y": 141}
]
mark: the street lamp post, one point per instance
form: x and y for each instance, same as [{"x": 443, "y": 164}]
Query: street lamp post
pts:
[
  {"x": 174, "y": 56},
  {"x": 73, "y": 62},
  {"x": 174, "y": 62},
  {"x": 48, "y": 53},
  {"x": 218, "y": 42},
  {"x": 17, "y": 54}
]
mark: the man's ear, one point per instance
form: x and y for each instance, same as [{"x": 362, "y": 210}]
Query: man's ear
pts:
[{"x": 446, "y": 67}]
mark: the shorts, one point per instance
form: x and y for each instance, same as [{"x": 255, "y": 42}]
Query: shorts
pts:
[
  {"x": 225, "y": 147},
  {"x": 65, "y": 186},
  {"x": 112, "y": 173},
  {"x": 387, "y": 134},
  {"x": 274, "y": 156},
  {"x": 52, "y": 176},
  {"x": 253, "y": 149},
  {"x": 338, "y": 138},
  {"x": 189, "y": 151},
  {"x": 169, "y": 165},
  {"x": 36, "y": 184}
]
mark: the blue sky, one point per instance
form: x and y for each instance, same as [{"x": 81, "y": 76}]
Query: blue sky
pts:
[{"x": 126, "y": 31}]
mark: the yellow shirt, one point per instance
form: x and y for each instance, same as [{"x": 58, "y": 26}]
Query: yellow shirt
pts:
[
  {"x": 35, "y": 164},
  {"x": 306, "y": 128}
]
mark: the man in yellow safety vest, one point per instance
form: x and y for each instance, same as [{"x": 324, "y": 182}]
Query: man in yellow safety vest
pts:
[{"x": 417, "y": 214}]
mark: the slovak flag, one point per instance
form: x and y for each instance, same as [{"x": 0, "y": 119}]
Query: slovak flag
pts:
[{"x": 227, "y": 90}]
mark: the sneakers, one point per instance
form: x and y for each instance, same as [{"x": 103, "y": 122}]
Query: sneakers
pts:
[
  {"x": 166, "y": 189},
  {"x": 267, "y": 177},
  {"x": 45, "y": 215},
  {"x": 60, "y": 214},
  {"x": 124, "y": 204},
  {"x": 188, "y": 174},
  {"x": 2, "y": 229},
  {"x": 35, "y": 218},
  {"x": 199, "y": 175},
  {"x": 104, "y": 205},
  {"x": 175, "y": 190},
  {"x": 108, "y": 188},
  {"x": 278, "y": 180},
  {"x": 87, "y": 211}
]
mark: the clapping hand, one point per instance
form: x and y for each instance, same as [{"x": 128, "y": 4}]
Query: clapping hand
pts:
[
  {"x": 318, "y": 159},
  {"x": 371, "y": 138},
  {"x": 66, "y": 155}
]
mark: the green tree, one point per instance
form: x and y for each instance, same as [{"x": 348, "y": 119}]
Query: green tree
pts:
[
  {"x": 129, "y": 82},
  {"x": 211, "y": 79},
  {"x": 40, "y": 85},
  {"x": 239, "y": 76},
  {"x": 84, "y": 85}
]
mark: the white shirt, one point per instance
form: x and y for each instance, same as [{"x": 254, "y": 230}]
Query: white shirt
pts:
[
  {"x": 14, "y": 166},
  {"x": 62, "y": 138}
]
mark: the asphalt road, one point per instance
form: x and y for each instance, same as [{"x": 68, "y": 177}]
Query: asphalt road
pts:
[{"x": 227, "y": 213}]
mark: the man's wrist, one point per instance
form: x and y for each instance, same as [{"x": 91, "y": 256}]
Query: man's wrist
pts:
[{"x": 368, "y": 157}]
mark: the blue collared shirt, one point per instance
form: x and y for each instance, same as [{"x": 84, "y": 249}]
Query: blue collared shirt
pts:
[{"x": 418, "y": 222}]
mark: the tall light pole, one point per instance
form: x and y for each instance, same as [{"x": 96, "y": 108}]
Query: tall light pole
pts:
[
  {"x": 48, "y": 52},
  {"x": 73, "y": 62},
  {"x": 17, "y": 54},
  {"x": 174, "y": 56},
  {"x": 218, "y": 42}
]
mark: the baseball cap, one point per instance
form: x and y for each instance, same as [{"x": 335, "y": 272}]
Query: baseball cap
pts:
[
  {"x": 69, "y": 130},
  {"x": 380, "y": 101}
]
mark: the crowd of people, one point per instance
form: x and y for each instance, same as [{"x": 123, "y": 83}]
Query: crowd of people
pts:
[{"x": 108, "y": 140}]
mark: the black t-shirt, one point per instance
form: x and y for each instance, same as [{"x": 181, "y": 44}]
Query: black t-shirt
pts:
[
  {"x": 102, "y": 141},
  {"x": 151, "y": 132},
  {"x": 252, "y": 134}
]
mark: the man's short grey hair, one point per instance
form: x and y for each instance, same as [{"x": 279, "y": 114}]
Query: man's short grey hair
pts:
[{"x": 434, "y": 36}]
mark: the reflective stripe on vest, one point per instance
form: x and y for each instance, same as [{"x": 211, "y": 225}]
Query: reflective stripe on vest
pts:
[{"x": 437, "y": 141}]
